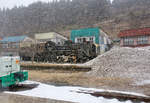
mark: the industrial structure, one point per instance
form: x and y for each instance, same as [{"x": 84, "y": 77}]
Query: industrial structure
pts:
[
  {"x": 135, "y": 37},
  {"x": 51, "y": 36},
  {"x": 95, "y": 35}
]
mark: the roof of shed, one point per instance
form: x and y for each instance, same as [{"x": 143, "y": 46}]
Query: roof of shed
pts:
[
  {"x": 13, "y": 39},
  {"x": 135, "y": 32}
]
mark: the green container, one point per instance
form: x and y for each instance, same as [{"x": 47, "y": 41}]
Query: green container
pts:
[
  {"x": 13, "y": 78},
  {"x": 10, "y": 72}
]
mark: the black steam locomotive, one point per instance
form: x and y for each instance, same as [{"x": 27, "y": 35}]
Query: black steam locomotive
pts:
[{"x": 67, "y": 53}]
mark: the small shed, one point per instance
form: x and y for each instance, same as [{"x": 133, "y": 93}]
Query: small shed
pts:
[
  {"x": 16, "y": 41},
  {"x": 51, "y": 36},
  {"x": 12, "y": 44}
]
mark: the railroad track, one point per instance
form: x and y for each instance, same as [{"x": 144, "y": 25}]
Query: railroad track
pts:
[{"x": 47, "y": 66}]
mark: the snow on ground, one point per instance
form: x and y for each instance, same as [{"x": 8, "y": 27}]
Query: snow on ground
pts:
[
  {"x": 145, "y": 82},
  {"x": 67, "y": 93}
]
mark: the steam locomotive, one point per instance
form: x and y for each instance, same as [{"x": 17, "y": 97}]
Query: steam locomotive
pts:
[{"x": 69, "y": 52}]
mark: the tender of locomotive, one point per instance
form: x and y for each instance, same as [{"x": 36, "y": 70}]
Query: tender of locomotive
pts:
[
  {"x": 69, "y": 52},
  {"x": 10, "y": 73}
]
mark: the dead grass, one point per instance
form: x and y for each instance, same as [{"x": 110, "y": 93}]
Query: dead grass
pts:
[
  {"x": 81, "y": 79},
  {"x": 76, "y": 78}
]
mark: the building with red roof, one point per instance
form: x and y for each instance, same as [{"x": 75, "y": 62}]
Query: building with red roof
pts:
[{"x": 135, "y": 37}]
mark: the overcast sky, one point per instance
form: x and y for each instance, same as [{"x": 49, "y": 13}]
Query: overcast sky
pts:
[{"x": 12, "y": 3}]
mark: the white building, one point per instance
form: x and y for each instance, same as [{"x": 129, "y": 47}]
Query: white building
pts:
[{"x": 51, "y": 36}]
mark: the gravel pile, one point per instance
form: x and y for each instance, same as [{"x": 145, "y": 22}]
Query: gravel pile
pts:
[{"x": 122, "y": 62}]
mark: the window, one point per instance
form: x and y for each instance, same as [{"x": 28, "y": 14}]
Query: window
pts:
[
  {"x": 91, "y": 39},
  {"x": 142, "y": 40},
  {"x": 128, "y": 41},
  {"x": 79, "y": 40},
  {"x": 4, "y": 45},
  {"x": 15, "y": 45},
  {"x": 84, "y": 39}
]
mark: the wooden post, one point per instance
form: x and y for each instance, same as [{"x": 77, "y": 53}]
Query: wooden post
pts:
[{"x": 33, "y": 51}]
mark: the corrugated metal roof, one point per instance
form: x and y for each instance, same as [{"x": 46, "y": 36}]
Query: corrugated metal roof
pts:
[
  {"x": 135, "y": 32},
  {"x": 13, "y": 39}
]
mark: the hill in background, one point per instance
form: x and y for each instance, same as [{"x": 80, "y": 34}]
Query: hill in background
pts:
[{"x": 66, "y": 15}]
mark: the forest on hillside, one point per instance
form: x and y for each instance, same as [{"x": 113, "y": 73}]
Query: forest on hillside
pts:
[{"x": 67, "y": 14}]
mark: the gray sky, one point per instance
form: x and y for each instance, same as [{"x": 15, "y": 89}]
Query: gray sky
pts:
[{"x": 12, "y": 3}]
